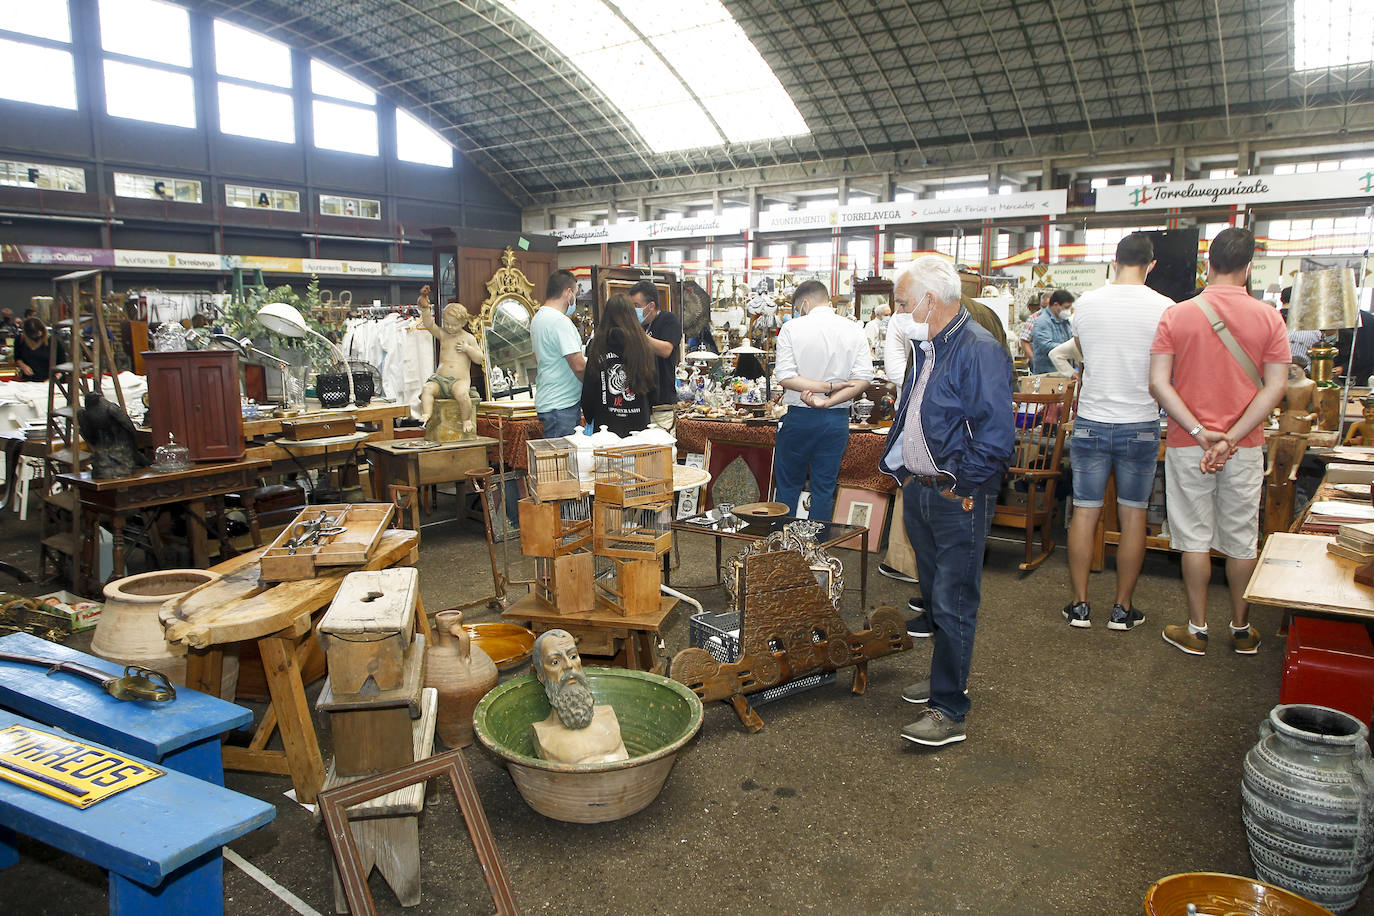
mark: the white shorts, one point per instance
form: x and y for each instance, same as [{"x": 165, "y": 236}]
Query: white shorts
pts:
[{"x": 1214, "y": 511}]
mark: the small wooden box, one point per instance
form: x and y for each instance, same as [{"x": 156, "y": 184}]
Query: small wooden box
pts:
[
  {"x": 366, "y": 633},
  {"x": 319, "y": 427},
  {"x": 634, "y": 475},
  {"x": 373, "y": 734},
  {"x": 546, "y": 531},
  {"x": 365, "y": 523},
  {"x": 552, "y": 471},
  {"x": 566, "y": 582},
  {"x": 633, "y": 589}
]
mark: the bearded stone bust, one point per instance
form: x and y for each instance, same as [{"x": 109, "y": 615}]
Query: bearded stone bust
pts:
[{"x": 577, "y": 730}]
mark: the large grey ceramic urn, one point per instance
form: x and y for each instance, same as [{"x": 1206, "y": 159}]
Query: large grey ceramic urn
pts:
[{"x": 1308, "y": 804}]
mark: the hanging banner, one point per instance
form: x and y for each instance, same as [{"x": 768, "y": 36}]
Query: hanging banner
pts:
[
  {"x": 1251, "y": 189},
  {"x": 48, "y": 254},
  {"x": 1075, "y": 277},
  {"x": 640, "y": 231},
  {"x": 1023, "y": 204}
]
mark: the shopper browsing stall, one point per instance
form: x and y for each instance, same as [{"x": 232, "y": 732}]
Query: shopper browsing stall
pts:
[
  {"x": 1117, "y": 425},
  {"x": 949, "y": 446},
  {"x": 1205, "y": 372},
  {"x": 32, "y": 351},
  {"x": 665, "y": 341},
  {"x": 1051, "y": 330},
  {"x": 620, "y": 379},
  {"x": 558, "y": 358}
]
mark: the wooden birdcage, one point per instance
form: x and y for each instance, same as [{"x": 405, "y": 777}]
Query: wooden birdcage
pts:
[
  {"x": 553, "y": 529},
  {"x": 552, "y": 472},
  {"x": 630, "y": 587},
  {"x": 632, "y": 532},
  {"x": 566, "y": 582},
  {"x": 636, "y": 475}
]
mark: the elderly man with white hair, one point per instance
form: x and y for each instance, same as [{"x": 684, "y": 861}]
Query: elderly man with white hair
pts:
[
  {"x": 949, "y": 446},
  {"x": 876, "y": 329}
]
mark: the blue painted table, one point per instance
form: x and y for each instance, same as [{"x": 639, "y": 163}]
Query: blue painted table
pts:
[
  {"x": 182, "y": 734},
  {"x": 162, "y": 861}
]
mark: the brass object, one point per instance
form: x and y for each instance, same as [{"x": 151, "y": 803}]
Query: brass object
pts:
[
  {"x": 140, "y": 683},
  {"x": 1323, "y": 300},
  {"x": 1321, "y": 359},
  {"x": 508, "y": 283}
]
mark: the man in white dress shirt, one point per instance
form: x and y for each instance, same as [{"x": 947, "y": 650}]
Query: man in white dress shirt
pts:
[{"x": 823, "y": 362}]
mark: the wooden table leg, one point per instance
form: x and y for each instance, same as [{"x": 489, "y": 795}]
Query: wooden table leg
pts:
[
  {"x": 293, "y": 715},
  {"x": 195, "y": 533},
  {"x": 863, "y": 572},
  {"x": 205, "y": 670},
  {"x": 226, "y": 550},
  {"x": 117, "y": 546}
]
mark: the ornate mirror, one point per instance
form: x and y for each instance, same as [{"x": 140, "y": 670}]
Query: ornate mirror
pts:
[{"x": 504, "y": 331}]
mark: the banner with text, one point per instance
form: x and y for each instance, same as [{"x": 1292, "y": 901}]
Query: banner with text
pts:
[
  {"x": 1251, "y": 189},
  {"x": 648, "y": 230},
  {"x": 1023, "y": 204}
]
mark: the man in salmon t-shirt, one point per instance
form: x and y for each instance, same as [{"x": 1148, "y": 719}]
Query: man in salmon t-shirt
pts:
[{"x": 1214, "y": 452}]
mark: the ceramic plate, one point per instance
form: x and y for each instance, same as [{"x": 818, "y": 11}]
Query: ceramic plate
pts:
[
  {"x": 761, "y": 510},
  {"x": 507, "y": 644}
]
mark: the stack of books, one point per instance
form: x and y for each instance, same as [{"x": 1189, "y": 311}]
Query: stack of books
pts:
[{"x": 1354, "y": 542}]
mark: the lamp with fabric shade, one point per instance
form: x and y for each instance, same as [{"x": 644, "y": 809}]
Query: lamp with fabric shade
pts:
[{"x": 1324, "y": 300}]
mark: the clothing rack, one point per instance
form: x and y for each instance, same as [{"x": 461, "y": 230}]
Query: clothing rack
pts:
[{"x": 381, "y": 311}]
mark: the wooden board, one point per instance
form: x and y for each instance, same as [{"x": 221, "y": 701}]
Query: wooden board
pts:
[
  {"x": 411, "y": 799},
  {"x": 1296, "y": 571},
  {"x": 240, "y": 606},
  {"x": 364, "y": 522}
]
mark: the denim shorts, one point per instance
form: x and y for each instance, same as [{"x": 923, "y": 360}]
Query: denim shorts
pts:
[{"x": 1131, "y": 449}]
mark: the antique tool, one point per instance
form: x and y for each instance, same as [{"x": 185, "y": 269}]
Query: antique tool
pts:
[
  {"x": 137, "y": 683},
  {"x": 309, "y": 533}
]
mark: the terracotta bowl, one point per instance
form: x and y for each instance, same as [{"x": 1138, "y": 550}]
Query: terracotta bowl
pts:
[
  {"x": 1224, "y": 895},
  {"x": 657, "y": 717},
  {"x": 507, "y": 644}
]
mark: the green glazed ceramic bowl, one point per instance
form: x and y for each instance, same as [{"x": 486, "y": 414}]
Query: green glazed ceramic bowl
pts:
[{"x": 657, "y": 717}]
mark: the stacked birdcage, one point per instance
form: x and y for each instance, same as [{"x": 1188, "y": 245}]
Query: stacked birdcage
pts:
[
  {"x": 631, "y": 521},
  {"x": 556, "y": 526},
  {"x": 552, "y": 471}
]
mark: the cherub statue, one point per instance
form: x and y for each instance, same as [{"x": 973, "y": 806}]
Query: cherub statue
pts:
[
  {"x": 1362, "y": 433},
  {"x": 577, "y": 730},
  {"x": 458, "y": 350},
  {"x": 1299, "y": 404},
  {"x": 111, "y": 436}
]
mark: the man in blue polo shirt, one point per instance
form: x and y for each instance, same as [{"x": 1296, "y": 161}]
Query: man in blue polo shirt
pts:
[{"x": 558, "y": 357}]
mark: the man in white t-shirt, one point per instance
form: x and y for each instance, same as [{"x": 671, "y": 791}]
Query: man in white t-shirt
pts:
[
  {"x": 1117, "y": 425},
  {"x": 558, "y": 357}
]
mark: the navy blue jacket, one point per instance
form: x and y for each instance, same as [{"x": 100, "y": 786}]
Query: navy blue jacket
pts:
[{"x": 966, "y": 412}]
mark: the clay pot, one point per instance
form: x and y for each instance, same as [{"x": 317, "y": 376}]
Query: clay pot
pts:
[
  {"x": 1229, "y": 894},
  {"x": 461, "y": 673},
  {"x": 1307, "y": 799},
  {"x": 129, "y": 631}
]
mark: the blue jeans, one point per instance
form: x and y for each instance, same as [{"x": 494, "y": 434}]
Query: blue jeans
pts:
[
  {"x": 810, "y": 440},
  {"x": 563, "y": 421},
  {"x": 949, "y": 546},
  {"x": 1131, "y": 448}
]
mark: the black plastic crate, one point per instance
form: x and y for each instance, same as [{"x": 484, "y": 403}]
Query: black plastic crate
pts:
[{"x": 718, "y": 635}]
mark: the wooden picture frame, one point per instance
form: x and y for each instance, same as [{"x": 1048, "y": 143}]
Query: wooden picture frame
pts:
[
  {"x": 334, "y": 805},
  {"x": 720, "y": 453},
  {"x": 856, "y": 506}
]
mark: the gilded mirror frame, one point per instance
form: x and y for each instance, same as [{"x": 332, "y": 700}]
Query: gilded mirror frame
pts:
[{"x": 507, "y": 284}]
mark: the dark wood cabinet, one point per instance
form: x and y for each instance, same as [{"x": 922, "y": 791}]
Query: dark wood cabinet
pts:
[{"x": 194, "y": 395}]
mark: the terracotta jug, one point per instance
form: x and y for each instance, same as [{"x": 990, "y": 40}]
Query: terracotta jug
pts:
[{"x": 461, "y": 672}]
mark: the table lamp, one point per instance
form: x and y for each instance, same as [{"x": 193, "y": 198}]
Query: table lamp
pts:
[
  {"x": 286, "y": 320},
  {"x": 1324, "y": 300}
]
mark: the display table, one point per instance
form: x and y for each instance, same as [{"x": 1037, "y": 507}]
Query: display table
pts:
[
  {"x": 512, "y": 434},
  {"x": 116, "y": 498},
  {"x": 620, "y": 641},
  {"x": 1296, "y": 572},
  {"x": 238, "y": 607},
  {"x": 858, "y": 467},
  {"x": 398, "y": 461}
]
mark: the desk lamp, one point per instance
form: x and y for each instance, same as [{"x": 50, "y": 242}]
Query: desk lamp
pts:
[
  {"x": 286, "y": 320},
  {"x": 1324, "y": 300}
]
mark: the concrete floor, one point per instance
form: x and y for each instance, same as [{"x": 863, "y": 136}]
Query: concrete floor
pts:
[{"x": 1096, "y": 763}]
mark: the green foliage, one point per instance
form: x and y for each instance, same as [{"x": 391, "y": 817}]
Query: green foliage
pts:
[{"x": 240, "y": 319}]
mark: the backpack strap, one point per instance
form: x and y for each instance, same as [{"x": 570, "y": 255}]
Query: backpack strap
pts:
[{"x": 1229, "y": 341}]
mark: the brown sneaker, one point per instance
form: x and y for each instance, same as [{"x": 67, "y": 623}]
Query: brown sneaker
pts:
[
  {"x": 1246, "y": 641},
  {"x": 1180, "y": 637}
]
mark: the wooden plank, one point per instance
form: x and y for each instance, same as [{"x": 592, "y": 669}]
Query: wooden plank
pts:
[
  {"x": 293, "y": 716},
  {"x": 142, "y": 833},
  {"x": 81, "y": 707},
  {"x": 1296, "y": 571},
  {"x": 241, "y": 607}
]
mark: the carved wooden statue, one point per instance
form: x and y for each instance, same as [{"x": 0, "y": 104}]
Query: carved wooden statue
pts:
[
  {"x": 1362, "y": 433},
  {"x": 789, "y": 628},
  {"x": 1299, "y": 404}
]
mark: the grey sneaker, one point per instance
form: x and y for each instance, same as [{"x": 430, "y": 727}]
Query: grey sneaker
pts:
[
  {"x": 892, "y": 572},
  {"x": 919, "y": 692},
  {"x": 1078, "y": 614},
  {"x": 1123, "y": 619},
  {"x": 932, "y": 729}
]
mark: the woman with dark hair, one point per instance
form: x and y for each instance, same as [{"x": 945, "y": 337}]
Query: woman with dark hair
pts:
[
  {"x": 618, "y": 386},
  {"x": 31, "y": 351}
]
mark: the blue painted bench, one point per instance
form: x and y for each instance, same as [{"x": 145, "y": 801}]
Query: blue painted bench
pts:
[
  {"x": 160, "y": 841},
  {"x": 182, "y": 735}
]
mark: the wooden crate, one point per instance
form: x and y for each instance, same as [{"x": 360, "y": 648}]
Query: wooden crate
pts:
[
  {"x": 635, "y": 475},
  {"x": 632, "y": 587},
  {"x": 552, "y": 470},
  {"x": 552, "y": 529},
  {"x": 373, "y": 734},
  {"x": 566, "y": 582},
  {"x": 366, "y": 633},
  {"x": 632, "y": 533},
  {"x": 365, "y": 523}
]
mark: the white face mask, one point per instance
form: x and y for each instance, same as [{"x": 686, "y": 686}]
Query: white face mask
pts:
[{"x": 905, "y": 324}]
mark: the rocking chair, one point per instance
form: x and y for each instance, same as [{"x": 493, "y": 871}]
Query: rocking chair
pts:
[{"x": 1041, "y": 420}]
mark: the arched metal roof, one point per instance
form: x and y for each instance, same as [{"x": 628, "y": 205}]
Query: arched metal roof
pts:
[{"x": 968, "y": 78}]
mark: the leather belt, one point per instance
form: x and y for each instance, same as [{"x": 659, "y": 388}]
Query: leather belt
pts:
[{"x": 926, "y": 481}]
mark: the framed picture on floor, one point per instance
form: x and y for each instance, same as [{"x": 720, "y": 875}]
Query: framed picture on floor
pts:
[{"x": 855, "y": 506}]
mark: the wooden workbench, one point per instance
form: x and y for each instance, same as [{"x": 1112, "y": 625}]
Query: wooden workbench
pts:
[{"x": 239, "y": 607}]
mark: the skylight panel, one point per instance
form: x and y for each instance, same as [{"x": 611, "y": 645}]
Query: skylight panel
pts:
[
  {"x": 1331, "y": 33},
  {"x": 416, "y": 141},
  {"x": 42, "y": 20},
  {"x": 147, "y": 29},
  {"x": 20, "y": 61},
  {"x": 325, "y": 80},
  {"x": 149, "y": 94},
  {"x": 696, "y": 80},
  {"x": 246, "y": 55},
  {"x": 247, "y": 111}
]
